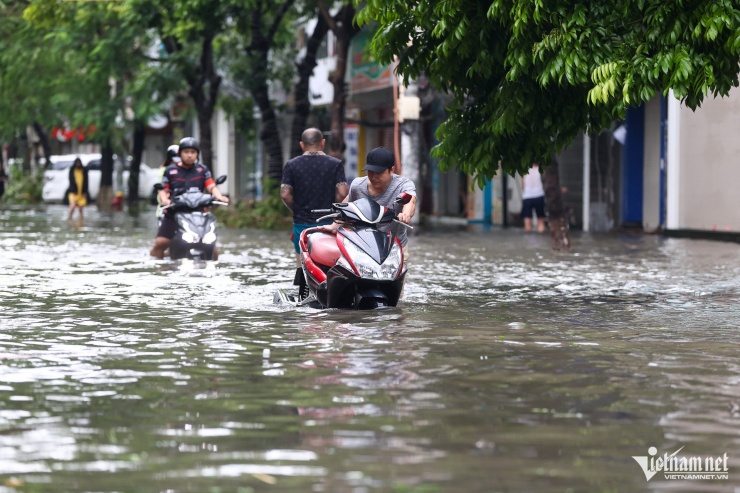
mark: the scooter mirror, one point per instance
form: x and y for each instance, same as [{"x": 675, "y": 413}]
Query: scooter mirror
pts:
[
  {"x": 220, "y": 179},
  {"x": 404, "y": 198}
]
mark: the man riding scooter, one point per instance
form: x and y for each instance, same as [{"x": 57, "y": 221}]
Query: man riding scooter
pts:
[{"x": 177, "y": 178}]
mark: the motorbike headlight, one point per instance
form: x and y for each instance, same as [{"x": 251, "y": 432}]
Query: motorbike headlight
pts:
[
  {"x": 369, "y": 268},
  {"x": 189, "y": 235},
  {"x": 210, "y": 237}
]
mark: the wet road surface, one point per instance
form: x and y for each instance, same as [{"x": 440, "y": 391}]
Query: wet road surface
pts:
[{"x": 507, "y": 368}]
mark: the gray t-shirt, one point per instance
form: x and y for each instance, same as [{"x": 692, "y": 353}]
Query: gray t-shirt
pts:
[{"x": 397, "y": 186}]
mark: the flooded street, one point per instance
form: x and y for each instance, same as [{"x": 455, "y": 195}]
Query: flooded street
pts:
[{"x": 506, "y": 368}]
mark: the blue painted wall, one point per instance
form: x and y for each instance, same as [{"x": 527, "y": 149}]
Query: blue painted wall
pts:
[{"x": 633, "y": 166}]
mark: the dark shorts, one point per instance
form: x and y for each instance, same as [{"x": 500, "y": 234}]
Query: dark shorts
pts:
[
  {"x": 298, "y": 229},
  {"x": 537, "y": 204},
  {"x": 167, "y": 226}
]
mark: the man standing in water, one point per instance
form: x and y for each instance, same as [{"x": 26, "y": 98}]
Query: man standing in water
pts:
[
  {"x": 186, "y": 174},
  {"x": 533, "y": 199},
  {"x": 312, "y": 180},
  {"x": 383, "y": 186}
]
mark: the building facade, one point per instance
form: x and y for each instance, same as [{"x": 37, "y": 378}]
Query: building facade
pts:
[{"x": 664, "y": 168}]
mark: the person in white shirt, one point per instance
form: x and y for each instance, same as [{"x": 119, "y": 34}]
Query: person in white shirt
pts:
[{"x": 533, "y": 199}]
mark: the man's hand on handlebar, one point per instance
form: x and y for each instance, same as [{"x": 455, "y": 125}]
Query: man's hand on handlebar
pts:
[
  {"x": 331, "y": 228},
  {"x": 164, "y": 198},
  {"x": 404, "y": 218}
]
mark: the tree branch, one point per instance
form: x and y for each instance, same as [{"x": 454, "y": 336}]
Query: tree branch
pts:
[
  {"x": 327, "y": 16},
  {"x": 287, "y": 4}
]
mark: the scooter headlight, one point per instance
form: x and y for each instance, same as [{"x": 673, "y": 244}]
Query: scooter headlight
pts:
[
  {"x": 189, "y": 235},
  {"x": 369, "y": 268},
  {"x": 210, "y": 237}
]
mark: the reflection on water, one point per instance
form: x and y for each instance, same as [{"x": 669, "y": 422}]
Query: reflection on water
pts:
[{"x": 508, "y": 367}]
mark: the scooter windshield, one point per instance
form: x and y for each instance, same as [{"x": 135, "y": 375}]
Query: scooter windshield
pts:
[
  {"x": 376, "y": 244},
  {"x": 366, "y": 211},
  {"x": 368, "y": 208},
  {"x": 192, "y": 199}
]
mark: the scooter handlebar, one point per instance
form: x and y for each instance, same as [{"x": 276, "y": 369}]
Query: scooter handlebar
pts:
[
  {"x": 403, "y": 224},
  {"x": 328, "y": 216},
  {"x": 213, "y": 202}
]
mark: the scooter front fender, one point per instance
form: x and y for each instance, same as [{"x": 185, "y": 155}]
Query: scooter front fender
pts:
[
  {"x": 343, "y": 287},
  {"x": 192, "y": 228}
]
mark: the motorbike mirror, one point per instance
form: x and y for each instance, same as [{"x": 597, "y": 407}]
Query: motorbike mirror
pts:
[
  {"x": 158, "y": 186},
  {"x": 404, "y": 198},
  {"x": 220, "y": 179}
]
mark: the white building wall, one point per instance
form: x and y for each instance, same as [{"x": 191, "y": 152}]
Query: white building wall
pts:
[
  {"x": 673, "y": 164},
  {"x": 651, "y": 159},
  {"x": 321, "y": 91},
  {"x": 224, "y": 150},
  {"x": 710, "y": 165}
]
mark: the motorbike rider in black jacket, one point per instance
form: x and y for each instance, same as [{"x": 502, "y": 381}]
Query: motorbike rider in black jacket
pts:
[{"x": 178, "y": 177}]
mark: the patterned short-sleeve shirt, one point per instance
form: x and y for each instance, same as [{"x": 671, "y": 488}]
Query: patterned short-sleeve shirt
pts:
[{"x": 314, "y": 179}]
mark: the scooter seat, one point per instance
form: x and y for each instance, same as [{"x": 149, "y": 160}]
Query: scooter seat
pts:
[{"x": 323, "y": 249}]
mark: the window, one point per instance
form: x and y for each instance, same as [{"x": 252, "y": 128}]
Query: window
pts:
[{"x": 62, "y": 164}]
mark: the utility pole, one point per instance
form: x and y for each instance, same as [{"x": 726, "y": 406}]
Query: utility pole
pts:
[{"x": 409, "y": 108}]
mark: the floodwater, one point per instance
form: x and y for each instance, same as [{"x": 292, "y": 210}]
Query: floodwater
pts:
[{"x": 507, "y": 368}]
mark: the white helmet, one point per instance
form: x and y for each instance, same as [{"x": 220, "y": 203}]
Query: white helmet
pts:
[{"x": 173, "y": 153}]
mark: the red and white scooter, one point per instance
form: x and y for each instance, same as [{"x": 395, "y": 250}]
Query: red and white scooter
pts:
[{"x": 358, "y": 266}]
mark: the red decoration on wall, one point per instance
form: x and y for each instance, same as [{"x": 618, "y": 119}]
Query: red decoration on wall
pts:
[{"x": 65, "y": 134}]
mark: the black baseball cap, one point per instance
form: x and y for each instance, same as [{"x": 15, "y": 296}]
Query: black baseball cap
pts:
[{"x": 379, "y": 160}]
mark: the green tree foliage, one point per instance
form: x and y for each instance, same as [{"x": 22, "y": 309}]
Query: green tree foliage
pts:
[
  {"x": 527, "y": 76},
  {"x": 268, "y": 213},
  {"x": 266, "y": 35},
  {"x": 30, "y": 86},
  {"x": 88, "y": 59},
  {"x": 23, "y": 187},
  {"x": 114, "y": 64},
  {"x": 100, "y": 63},
  {"x": 101, "y": 53},
  {"x": 192, "y": 34}
]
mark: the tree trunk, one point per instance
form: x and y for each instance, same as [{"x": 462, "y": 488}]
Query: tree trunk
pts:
[
  {"x": 137, "y": 151},
  {"x": 13, "y": 150},
  {"x": 305, "y": 71},
  {"x": 344, "y": 29},
  {"x": 44, "y": 138},
  {"x": 555, "y": 208},
  {"x": 203, "y": 83},
  {"x": 22, "y": 146},
  {"x": 205, "y": 114},
  {"x": 258, "y": 51},
  {"x": 410, "y": 144},
  {"x": 204, "y": 90},
  {"x": 105, "y": 193},
  {"x": 270, "y": 133}
]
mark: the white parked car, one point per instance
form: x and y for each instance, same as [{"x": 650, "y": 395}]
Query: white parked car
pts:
[
  {"x": 148, "y": 176},
  {"x": 56, "y": 177}
]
